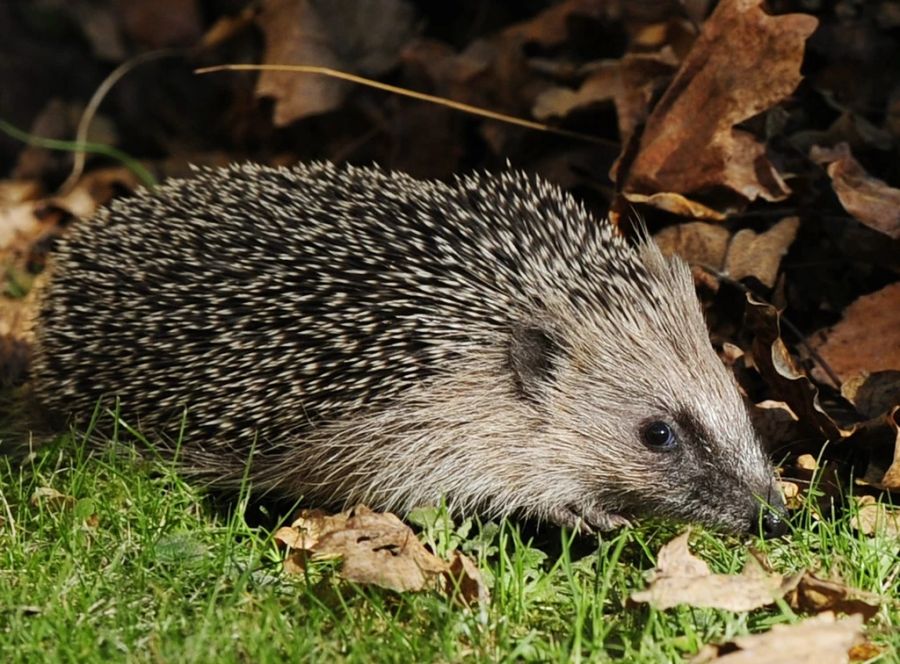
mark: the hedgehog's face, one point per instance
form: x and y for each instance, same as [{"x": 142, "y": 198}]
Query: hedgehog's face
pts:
[{"x": 646, "y": 428}]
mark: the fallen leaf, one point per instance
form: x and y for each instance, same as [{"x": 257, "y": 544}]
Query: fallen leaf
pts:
[
  {"x": 495, "y": 72},
  {"x": 676, "y": 204},
  {"x": 867, "y": 338},
  {"x": 791, "y": 494},
  {"x": 815, "y": 595},
  {"x": 17, "y": 211},
  {"x": 872, "y": 393},
  {"x": 378, "y": 549},
  {"x": 743, "y": 62},
  {"x": 874, "y": 517},
  {"x": 696, "y": 242},
  {"x": 630, "y": 83},
  {"x": 867, "y": 198},
  {"x": 876, "y": 443},
  {"x": 745, "y": 254},
  {"x": 50, "y": 497},
  {"x": 682, "y": 578},
  {"x": 361, "y": 38},
  {"x": 822, "y": 639},
  {"x": 227, "y": 27},
  {"x": 866, "y": 652},
  {"x": 159, "y": 23},
  {"x": 778, "y": 368},
  {"x": 807, "y": 462},
  {"x": 777, "y": 426},
  {"x": 383, "y": 554},
  {"x": 551, "y": 26},
  {"x": 463, "y": 580},
  {"x": 759, "y": 255}
]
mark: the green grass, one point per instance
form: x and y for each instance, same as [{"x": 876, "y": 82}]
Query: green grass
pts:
[{"x": 140, "y": 567}]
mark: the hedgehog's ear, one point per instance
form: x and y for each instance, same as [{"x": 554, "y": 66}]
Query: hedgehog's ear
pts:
[{"x": 532, "y": 354}]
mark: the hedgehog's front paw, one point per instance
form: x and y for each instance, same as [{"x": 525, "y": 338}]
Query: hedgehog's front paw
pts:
[{"x": 587, "y": 521}]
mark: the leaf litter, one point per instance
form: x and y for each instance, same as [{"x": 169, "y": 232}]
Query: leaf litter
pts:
[
  {"x": 743, "y": 136},
  {"x": 377, "y": 548}
]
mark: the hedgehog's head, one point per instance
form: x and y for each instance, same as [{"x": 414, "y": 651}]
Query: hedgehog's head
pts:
[{"x": 641, "y": 416}]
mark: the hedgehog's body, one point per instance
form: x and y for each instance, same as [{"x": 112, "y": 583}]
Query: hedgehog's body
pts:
[{"x": 376, "y": 338}]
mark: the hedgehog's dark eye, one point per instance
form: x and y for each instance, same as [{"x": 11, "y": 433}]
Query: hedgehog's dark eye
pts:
[{"x": 659, "y": 436}]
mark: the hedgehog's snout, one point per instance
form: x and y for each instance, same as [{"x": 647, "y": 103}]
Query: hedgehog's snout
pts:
[{"x": 771, "y": 518}]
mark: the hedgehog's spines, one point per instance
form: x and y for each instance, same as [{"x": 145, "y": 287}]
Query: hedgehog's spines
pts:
[{"x": 357, "y": 325}]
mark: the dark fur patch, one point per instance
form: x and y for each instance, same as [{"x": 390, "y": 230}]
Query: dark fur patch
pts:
[{"x": 531, "y": 358}]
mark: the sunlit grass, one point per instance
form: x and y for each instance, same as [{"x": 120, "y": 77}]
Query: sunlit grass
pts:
[{"x": 130, "y": 563}]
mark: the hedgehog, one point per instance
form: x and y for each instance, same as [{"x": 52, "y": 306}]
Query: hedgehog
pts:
[{"x": 354, "y": 335}]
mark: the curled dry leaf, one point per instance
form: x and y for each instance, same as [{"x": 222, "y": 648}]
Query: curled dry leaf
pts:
[
  {"x": 878, "y": 439},
  {"x": 815, "y": 595},
  {"x": 743, "y": 62},
  {"x": 746, "y": 254},
  {"x": 364, "y": 38},
  {"x": 777, "y": 425},
  {"x": 630, "y": 83},
  {"x": 778, "y": 368},
  {"x": 874, "y": 517},
  {"x": 17, "y": 210},
  {"x": 27, "y": 226},
  {"x": 822, "y": 639},
  {"x": 872, "y": 394},
  {"x": 50, "y": 497},
  {"x": 807, "y": 462},
  {"x": 696, "y": 242},
  {"x": 378, "y": 549},
  {"x": 759, "y": 255},
  {"x": 791, "y": 494},
  {"x": 682, "y": 578},
  {"x": 866, "y": 339},
  {"x": 868, "y": 199},
  {"x": 464, "y": 581},
  {"x": 677, "y": 204}
]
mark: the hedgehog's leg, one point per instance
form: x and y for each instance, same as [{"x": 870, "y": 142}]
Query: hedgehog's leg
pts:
[{"x": 587, "y": 521}]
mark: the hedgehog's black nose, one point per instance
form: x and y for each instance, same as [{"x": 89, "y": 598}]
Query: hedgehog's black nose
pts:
[
  {"x": 773, "y": 515},
  {"x": 773, "y": 523}
]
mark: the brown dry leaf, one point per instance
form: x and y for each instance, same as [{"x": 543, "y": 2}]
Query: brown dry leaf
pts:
[
  {"x": 791, "y": 494},
  {"x": 777, "y": 425},
  {"x": 376, "y": 548},
  {"x": 743, "y": 62},
  {"x": 682, "y": 578},
  {"x": 868, "y": 199},
  {"x": 385, "y": 555},
  {"x": 463, "y": 580},
  {"x": 495, "y": 72},
  {"x": 17, "y": 211},
  {"x": 821, "y": 639},
  {"x": 872, "y": 394},
  {"x": 159, "y": 23},
  {"x": 551, "y": 26},
  {"x": 874, "y": 517},
  {"x": 877, "y": 445},
  {"x": 807, "y": 462},
  {"x": 28, "y": 225},
  {"x": 696, "y": 242},
  {"x": 50, "y": 497},
  {"x": 364, "y": 38},
  {"x": 746, "y": 254},
  {"x": 815, "y": 595},
  {"x": 774, "y": 362},
  {"x": 95, "y": 188},
  {"x": 759, "y": 255},
  {"x": 866, "y": 339},
  {"x": 228, "y": 26},
  {"x": 676, "y": 204},
  {"x": 630, "y": 83}
]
